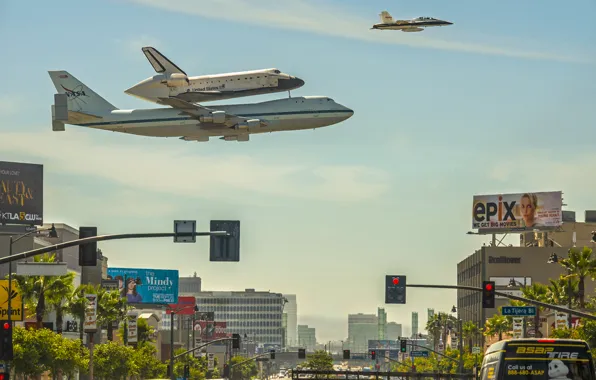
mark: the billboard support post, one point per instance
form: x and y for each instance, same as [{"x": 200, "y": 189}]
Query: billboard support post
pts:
[{"x": 172, "y": 376}]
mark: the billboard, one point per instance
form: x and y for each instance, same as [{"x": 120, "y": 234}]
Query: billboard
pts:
[
  {"x": 21, "y": 193},
  {"x": 517, "y": 212},
  {"x": 185, "y": 306},
  {"x": 211, "y": 330},
  {"x": 146, "y": 286}
]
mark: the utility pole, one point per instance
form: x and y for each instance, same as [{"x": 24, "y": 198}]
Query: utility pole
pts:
[
  {"x": 460, "y": 345},
  {"x": 172, "y": 376}
]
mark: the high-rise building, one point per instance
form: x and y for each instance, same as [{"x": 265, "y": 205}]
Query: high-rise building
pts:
[
  {"x": 414, "y": 323},
  {"x": 394, "y": 331},
  {"x": 381, "y": 323},
  {"x": 291, "y": 309},
  {"x": 361, "y": 329},
  {"x": 307, "y": 337},
  {"x": 258, "y": 315},
  {"x": 189, "y": 285},
  {"x": 429, "y": 314}
]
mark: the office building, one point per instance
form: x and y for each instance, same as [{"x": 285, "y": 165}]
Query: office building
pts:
[
  {"x": 361, "y": 329},
  {"x": 414, "y": 323},
  {"x": 189, "y": 286},
  {"x": 381, "y": 323},
  {"x": 291, "y": 309},
  {"x": 256, "y": 314},
  {"x": 307, "y": 337},
  {"x": 393, "y": 331}
]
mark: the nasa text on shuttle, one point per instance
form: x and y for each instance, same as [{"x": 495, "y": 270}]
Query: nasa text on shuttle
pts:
[{"x": 517, "y": 212}]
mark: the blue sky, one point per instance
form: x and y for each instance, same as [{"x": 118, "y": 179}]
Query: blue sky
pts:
[{"x": 502, "y": 101}]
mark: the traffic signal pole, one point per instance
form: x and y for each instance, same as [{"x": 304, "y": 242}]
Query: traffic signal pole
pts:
[{"x": 510, "y": 296}]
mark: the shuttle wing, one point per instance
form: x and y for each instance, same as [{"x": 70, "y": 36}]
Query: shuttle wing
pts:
[
  {"x": 161, "y": 64},
  {"x": 208, "y": 117}
]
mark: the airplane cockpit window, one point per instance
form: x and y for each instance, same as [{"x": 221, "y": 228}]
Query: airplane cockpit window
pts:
[{"x": 277, "y": 71}]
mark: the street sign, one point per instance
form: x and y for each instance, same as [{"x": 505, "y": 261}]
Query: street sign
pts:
[
  {"x": 519, "y": 310},
  {"x": 41, "y": 269},
  {"x": 262, "y": 359},
  {"x": 16, "y": 302},
  {"x": 475, "y": 350},
  {"x": 185, "y": 227},
  {"x": 225, "y": 248},
  {"x": 419, "y": 354},
  {"x": 210, "y": 361}
]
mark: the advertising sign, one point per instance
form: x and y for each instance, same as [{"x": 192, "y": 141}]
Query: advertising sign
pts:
[
  {"x": 185, "y": 306},
  {"x": 209, "y": 330},
  {"x": 132, "y": 327},
  {"x": 91, "y": 313},
  {"x": 146, "y": 286},
  {"x": 15, "y": 299},
  {"x": 21, "y": 193},
  {"x": 517, "y": 212}
]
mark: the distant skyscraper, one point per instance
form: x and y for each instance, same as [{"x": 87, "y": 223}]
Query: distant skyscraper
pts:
[
  {"x": 430, "y": 314},
  {"x": 382, "y": 323},
  {"x": 414, "y": 323},
  {"x": 291, "y": 308},
  {"x": 393, "y": 331}
]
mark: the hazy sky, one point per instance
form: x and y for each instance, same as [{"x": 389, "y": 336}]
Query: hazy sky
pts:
[{"x": 502, "y": 101}]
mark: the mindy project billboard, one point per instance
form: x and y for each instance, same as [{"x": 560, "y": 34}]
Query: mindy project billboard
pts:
[{"x": 146, "y": 286}]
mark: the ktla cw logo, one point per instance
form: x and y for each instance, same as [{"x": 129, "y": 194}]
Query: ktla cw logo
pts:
[{"x": 22, "y": 216}]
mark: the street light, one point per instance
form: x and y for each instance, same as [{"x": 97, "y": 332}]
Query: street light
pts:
[{"x": 555, "y": 259}]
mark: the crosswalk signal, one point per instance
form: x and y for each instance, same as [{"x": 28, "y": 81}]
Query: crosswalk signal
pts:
[
  {"x": 272, "y": 354},
  {"x": 346, "y": 354},
  {"x": 488, "y": 294},
  {"x": 373, "y": 354},
  {"x": 301, "y": 353},
  {"x": 403, "y": 345},
  {"x": 6, "y": 352},
  {"x": 395, "y": 289}
]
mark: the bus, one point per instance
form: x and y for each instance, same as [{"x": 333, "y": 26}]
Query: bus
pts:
[{"x": 537, "y": 359}]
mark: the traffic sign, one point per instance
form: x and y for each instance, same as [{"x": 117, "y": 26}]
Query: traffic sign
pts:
[
  {"x": 419, "y": 354},
  {"x": 16, "y": 301},
  {"x": 475, "y": 350},
  {"x": 519, "y": 310},
  {"x": 185, "y": 228}
]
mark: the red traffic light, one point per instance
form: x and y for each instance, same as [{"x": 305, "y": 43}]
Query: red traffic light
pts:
[
  {"x": 395, "y": 280},
  {"x": 6, "y": 326},
  {"x": 488, "y": 287}
]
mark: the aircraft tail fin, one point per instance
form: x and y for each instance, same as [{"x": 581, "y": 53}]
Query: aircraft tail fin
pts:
[
  {"x": 161, "y": 64},
  {"x": 80, "y": 98},
  {"x": 386, "y": 18}
]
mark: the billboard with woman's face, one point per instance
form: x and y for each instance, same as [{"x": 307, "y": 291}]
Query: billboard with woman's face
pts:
[
  {"x": 518, "y": 212},
  {"x": 148, "y": 286}
]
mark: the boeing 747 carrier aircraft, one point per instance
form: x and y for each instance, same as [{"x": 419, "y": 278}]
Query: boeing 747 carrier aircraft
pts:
[
  {"x": 77, "y": 104},
  {"x": 172, "y": 82}
]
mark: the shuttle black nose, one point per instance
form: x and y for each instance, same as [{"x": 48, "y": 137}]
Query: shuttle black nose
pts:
[{"x": 291, "y": 83}]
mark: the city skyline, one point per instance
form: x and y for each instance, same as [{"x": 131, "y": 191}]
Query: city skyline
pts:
[{"x": 440, "y": 116}]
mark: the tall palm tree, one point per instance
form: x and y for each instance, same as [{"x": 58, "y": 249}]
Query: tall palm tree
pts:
[
  {"x": 580, "y": 264},
  {"x": 38, "y": 292},
  {"x": 559, "y": 291},
  {"x": 497, "y": 325},
  {"x": 111, "y": 307},
  {"x": 470, "y": 331},
  {"x": 536, "y": 292},
  {"x": 434, "y": 328},
  {"x": 77, "y": 305}
]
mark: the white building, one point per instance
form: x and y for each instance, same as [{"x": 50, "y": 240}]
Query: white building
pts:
[{"x": 291, "y": 309}]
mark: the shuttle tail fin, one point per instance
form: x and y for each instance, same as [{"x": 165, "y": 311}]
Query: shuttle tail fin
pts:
[
  {"x": 80, "y": 98},
  {"x": 161, "y": 64},
  {"x": 386, "y": 18}
]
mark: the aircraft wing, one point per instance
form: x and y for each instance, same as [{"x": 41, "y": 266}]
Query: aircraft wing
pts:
[
  {"x": 211, "y": 118},
  {"x": 161, "y": 64}
]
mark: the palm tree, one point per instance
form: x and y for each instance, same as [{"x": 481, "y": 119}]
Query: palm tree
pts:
[
  {"x": 77, "y": 305},
  {"x": 434, "y": 328},
  {"x": 497, "y": 325},
  {"x": 439, "y": 325},
  {"x": 580, "y": 264},
  {"x": 559, "y": 291},
  {"x": 536, "y": 292},
  {"x": 39, "y": 292},
  {"x": 470, "y": 331},
  {"x": 111, "y": 307}
]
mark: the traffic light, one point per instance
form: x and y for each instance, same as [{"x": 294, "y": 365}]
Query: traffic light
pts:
[
  {"x": 87, "y": 252},
  {"x": 403, "y": 345},
  {"x": 272, "y": 354},
  {"x": 186, "y": 371},
  {"x": 225, "y": 248},
  {"x": 373, "y": 354},
  {"x": 235, "y": 340},
  {"x": 395, "y": 289},
  {"x": 4, "y": 376},
  {"x": 488, "y": 294},
  {"x": 6, "y": 342},
  {"x": 346, "y": 354},
  {"x": 301, "y": 353},
  {"x": 226, "y": 371}
]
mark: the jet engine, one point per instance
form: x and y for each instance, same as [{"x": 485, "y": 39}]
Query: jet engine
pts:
[
  {"x": 248, "y": 124},
  {"x": 177, "y": 80},
  {"x": 216, "y": 117}
]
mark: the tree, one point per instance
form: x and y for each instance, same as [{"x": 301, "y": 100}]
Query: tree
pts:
[
  {"x": 497, "y": 325},
  {"x": 470, "y": 331},
  {"x": 320, "y": 360},
  {"x": 536, "y": 292},
  {"x": 145, "y": 332},
  {"x": 39, "y": 292},
  {"x": 113, "y": 361},
  {"x": 77, "y": 306},
  {"x": 197, "y": 366},
  {"x": 39, "y": 350},
  {"x": 580, "y": 265},
  {"x": 146, "y": 363},
  {"x": 111, "y": 308},
  {"x": 246, "y": 370}
]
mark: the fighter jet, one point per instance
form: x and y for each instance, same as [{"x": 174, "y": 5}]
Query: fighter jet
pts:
[
  {"x": 172, "y": 82},
  {"x": 77, "y": 104},
  {"x": 414, "y": 25}
]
